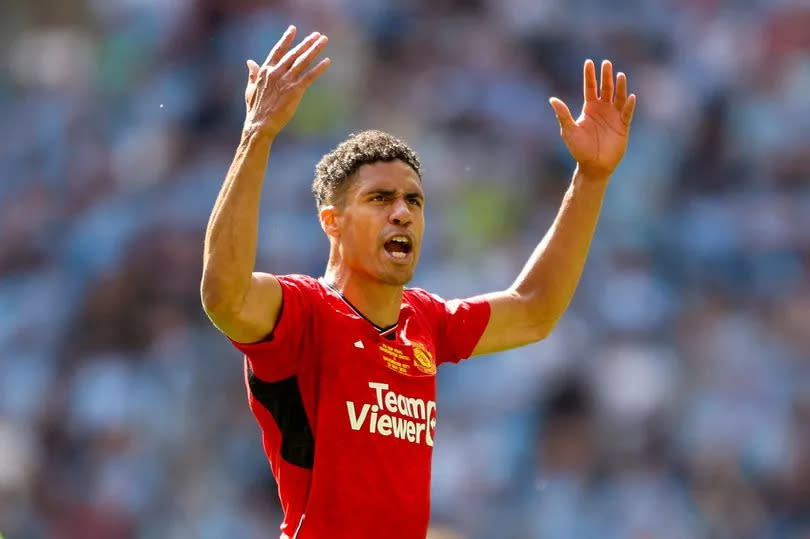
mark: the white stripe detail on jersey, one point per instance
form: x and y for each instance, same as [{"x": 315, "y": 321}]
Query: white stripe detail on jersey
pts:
[{"x": 300, "y": 523}]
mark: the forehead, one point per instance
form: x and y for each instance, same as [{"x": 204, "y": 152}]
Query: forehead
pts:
[{"x": 393, "y": 175}]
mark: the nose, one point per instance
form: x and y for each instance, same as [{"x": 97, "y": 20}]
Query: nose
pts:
[{"x": 400, "y": 213}]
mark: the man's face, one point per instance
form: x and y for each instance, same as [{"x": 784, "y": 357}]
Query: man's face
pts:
[{"x": 381, "y": 221}]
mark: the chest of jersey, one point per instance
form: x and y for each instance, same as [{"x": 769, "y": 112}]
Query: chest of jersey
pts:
[{"x": 378, "y": 389}]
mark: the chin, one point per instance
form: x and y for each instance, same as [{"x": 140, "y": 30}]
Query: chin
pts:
[
  {"x": 398, "y": 281},
  {"x": 397, "y": 278}
]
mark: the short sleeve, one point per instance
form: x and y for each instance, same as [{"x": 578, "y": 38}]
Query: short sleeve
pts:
[
  {"x": 279, "y": 355},
  {"x": 459, "y": 325}
]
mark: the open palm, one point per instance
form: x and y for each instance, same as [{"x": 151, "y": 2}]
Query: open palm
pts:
[
  {"x": 274, "y": 89},
  {"x": 597, "y": 139}
]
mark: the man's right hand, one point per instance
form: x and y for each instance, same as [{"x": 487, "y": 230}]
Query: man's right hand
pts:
[{"x": 275, "y": 88}]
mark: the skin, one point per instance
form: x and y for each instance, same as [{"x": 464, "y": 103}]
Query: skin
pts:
[
  {"x": 383, "y": 199},
  {"x": 242, "y": 303},
  {"x": 245, "y": 304},
  {"x": 529, "y": 309}
]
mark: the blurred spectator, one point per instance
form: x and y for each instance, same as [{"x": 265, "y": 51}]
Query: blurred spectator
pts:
[{"x": 673, "y": 398}]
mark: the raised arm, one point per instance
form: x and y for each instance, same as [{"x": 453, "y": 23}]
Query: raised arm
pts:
[
  {"x": 242, "y": 303},
  {"x": 597, "y": 140}
]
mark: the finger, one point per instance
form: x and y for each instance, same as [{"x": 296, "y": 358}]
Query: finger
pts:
[
  {"x": 284, "y": 64},
  {"x": 303, "y": 61},
  {"x": 309, "y": 77},
  {"x": 253, "y": 70},
  {"x": 281, "y": 46},
  {"x": 606, "y": 90},
  {"x": 562, "y": 112},
  {"x": 589, "y": 78},
  {"x": 621, "y": 91},
  {"x": 629, "y": 108}
]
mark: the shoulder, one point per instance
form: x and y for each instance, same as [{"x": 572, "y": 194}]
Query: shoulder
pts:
[
  {"x": 299, "y": 280},
  {"x": 423, "y": 302},
  {"x": 301, "y": 285},
  {"x": 458, "y": 324},
  {"x": 419, "y": 297},
  {"x": 300, "y": 294}
]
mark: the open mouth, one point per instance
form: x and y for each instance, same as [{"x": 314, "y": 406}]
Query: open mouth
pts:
[{"x": 398, "y": 247}]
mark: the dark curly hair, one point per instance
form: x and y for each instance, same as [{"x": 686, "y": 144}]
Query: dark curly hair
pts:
[{"x": 341, "y": 163}]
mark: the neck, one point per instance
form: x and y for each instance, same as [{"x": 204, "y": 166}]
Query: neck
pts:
[{"x": 377, "y": 301}]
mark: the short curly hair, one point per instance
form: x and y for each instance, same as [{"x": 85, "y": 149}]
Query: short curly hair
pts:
[{"x": 340, "y": 164}]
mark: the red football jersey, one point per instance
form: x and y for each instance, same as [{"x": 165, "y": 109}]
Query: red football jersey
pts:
[{"x": 347, "y": 409}]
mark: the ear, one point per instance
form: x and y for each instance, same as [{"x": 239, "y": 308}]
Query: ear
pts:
[{"x": 330, "y": 221}]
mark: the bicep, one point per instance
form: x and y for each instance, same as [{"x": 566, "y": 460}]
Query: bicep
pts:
[
  {"x": 258, "y": 314},
  {"x": 511, "y": 324}
]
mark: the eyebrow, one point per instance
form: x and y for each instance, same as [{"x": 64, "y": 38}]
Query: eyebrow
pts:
[{"x": 391, "y": 192}]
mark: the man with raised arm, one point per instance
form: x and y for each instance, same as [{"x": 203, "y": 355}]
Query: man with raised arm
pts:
[{"x": 340, "y": 370}]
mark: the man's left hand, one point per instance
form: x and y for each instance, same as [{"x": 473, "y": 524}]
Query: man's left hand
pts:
[{"x": 597, "y": 139}]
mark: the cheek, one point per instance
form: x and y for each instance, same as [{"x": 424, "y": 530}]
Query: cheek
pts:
[
  {"x": 361, "y": 235},
  {"x": 370, "y": 239},
  {"x": 420, "y": 230}
]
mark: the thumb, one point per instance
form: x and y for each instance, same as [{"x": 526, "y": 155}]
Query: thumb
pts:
[
  {"x": 562, "y": 112},
  {"x": 253, "y": 70}
]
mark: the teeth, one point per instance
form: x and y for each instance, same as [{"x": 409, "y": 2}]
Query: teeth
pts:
[
  {"x": 400, "y": 239},
  {"x": 399, "y": 254}
]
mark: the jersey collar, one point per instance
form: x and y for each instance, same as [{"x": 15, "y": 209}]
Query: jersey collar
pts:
[{"x": 388, "y": 332}]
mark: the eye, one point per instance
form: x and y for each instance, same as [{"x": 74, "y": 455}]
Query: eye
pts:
[
  {"x": 415, "y": 202},
  {"x": 377, "y": 198}
]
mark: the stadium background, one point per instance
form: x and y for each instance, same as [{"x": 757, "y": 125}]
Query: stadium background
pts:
[{"x": 673, "y": 399}]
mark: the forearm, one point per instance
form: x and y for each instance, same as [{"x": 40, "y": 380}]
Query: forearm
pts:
[
  {"x": 232, "y": 233},
  {"x": 550, "y": 277}
]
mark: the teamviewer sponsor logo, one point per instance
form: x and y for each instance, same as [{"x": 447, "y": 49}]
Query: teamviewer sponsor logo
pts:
[{"x": 391, "y": 414}]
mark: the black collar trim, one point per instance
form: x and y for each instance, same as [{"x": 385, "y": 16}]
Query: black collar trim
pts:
[{"x": 383, "y": 331}]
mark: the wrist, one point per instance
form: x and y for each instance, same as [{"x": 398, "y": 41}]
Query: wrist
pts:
[
  {"x": 252, "y": 132},
  {"x": 591, "y": 175}
]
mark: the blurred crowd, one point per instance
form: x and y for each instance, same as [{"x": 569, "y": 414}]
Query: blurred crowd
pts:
[{"x": 672, "y": 400}]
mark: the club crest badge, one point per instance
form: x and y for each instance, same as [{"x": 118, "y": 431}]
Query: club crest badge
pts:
[{"x": 423, "y": 359}]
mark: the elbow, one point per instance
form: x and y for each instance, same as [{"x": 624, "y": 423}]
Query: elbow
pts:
[
  {"x": 540, "y": 325},
  {"x": 210, "y": 300},
  {"x": 542, "y": 328},
  {"x": 543, "y": 316},
  {"x": 208, "y": 297},
  {"x": 213, "y": 298},
  {"x": 222, "y": 294},
  {"x": 217, "y": 308}
]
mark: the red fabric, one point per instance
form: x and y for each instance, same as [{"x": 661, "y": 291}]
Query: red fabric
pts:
[{"x": 370, "y": 403}]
